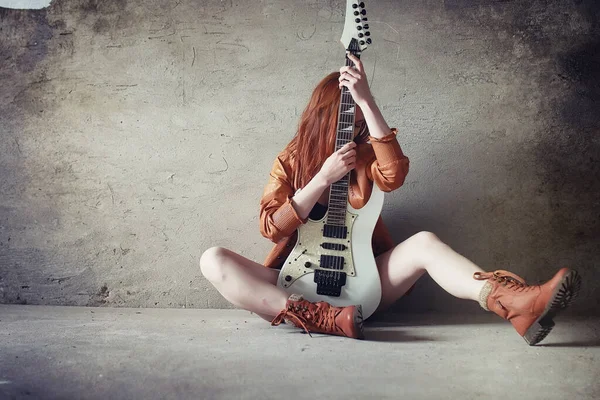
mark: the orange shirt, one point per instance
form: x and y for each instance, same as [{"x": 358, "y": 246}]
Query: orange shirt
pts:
[{"x": 379, "y": 160}]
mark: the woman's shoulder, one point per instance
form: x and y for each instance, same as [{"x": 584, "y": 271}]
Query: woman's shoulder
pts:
[
  {"x": 287, "y": 155},
  {"x": 284, "y": 162}
]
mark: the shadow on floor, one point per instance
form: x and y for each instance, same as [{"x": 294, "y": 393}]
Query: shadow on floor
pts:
[
  {"x": 595, "y": 342},
  {"x": 395, "y": 335},
  {"x": 431, "y": 319}
]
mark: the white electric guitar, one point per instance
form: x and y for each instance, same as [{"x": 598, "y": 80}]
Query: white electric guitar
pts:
[{"x": 333, "y": 259}]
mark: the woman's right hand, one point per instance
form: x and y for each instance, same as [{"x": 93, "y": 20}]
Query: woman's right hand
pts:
[{"x": 339, "y": 164}]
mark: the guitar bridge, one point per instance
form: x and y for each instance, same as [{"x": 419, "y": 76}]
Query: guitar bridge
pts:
[{"x": 329, "y": 283}]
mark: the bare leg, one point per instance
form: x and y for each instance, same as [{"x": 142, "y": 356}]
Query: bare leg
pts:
[
  {"x": 243, "y": 282},
  {"x": 401, "y": 266}
]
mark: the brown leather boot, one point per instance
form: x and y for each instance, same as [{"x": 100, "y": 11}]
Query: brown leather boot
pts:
[
  {"x": 530, "y": 309},
  {"x": 321, "y": 317}
]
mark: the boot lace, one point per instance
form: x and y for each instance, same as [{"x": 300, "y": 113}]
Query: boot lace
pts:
[
  {"x": 505, "y": 278},
  {"x": 306, "y": 313}
]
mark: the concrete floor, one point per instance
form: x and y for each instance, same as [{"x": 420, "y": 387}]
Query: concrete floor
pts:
[{"x": 117, "y": 353}]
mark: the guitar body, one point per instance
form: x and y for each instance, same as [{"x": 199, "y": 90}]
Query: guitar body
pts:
[{"x": 362, "y": 284}]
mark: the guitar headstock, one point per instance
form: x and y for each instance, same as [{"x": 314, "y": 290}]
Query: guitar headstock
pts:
[{"x": 356, "y": 27}]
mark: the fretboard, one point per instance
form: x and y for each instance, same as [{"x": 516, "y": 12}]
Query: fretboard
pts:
[{"x": 338, "y": 192}]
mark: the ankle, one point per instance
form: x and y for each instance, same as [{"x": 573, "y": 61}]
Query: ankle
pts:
[{"x": 484, "y": 293}]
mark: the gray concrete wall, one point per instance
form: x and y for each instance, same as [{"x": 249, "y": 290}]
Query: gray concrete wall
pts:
[{"x": 136, "y": 134}]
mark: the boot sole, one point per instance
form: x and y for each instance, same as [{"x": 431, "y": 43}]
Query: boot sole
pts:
[
  {"x": 563, "y": 295},
  {"x": 358, "y": 322}
]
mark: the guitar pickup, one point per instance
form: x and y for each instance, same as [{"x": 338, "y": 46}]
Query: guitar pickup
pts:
[
  {"x": 334, "y": 246},
  {"x": 335, "y": 231},
  {"x": 332, "y": 262}
]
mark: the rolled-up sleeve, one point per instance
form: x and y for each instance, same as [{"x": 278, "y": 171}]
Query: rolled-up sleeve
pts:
[
  {"x": 278, "y": 218},
  {"x": 390, "y": 166}
]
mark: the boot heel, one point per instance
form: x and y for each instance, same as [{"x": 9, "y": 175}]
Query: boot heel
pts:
[
  {"x": 563, "y": 296},
  {"x": 539, "y": 330},
  {"x": 567, "y": 291}
]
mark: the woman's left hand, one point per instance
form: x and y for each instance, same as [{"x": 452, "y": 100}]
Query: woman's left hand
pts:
[{"x": 354, "y": 78}]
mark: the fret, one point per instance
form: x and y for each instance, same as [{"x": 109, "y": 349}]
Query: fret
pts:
[
  {"x": 337, "y": 202},
  {"x": 339, "y": 194},
  {"x": 335, "y": 223},
  {"x": 337, "y": 215}
]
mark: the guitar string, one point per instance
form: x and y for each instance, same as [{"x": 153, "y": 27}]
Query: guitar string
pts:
[{"x": 336, "y": 216}]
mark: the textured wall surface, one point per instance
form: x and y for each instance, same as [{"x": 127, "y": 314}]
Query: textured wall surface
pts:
[{"x": 136, "y": 134}]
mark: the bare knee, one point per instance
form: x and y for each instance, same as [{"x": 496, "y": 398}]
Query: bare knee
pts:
[
  {"x": 426, "y": 239},
  {"x": 212, "y": 262}
]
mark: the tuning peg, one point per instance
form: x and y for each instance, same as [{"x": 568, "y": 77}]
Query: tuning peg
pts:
[
  {"x": 364, "y": 18},
  {"x": 366, "y": 26},
  {"x": 354, "y": 5},
  {"x": 360, "y": 35},
  {"x": 363, "y": 12},
  {"x": 369, "y": 41},
  {"x": 356, "y": 13},
  {"x": 359, "y": 27},
  {"x": 367, "y": 33},
  {"x": 362, "y": 42},
  {"x": 361, "y": 5},
  {"x": 357, "y": 20}
]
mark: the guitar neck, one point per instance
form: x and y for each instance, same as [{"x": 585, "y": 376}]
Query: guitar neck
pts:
[{"x": 338, "y": 192}]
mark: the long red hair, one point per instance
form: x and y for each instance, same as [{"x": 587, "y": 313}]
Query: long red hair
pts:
[{"x": 315, "y": 138}]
